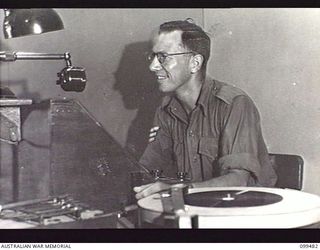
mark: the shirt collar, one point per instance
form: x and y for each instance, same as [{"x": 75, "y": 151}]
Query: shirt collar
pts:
[{"x": 172, "y": 105}]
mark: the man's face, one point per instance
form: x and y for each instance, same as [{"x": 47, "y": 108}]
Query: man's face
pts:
[{"x": 175, "y": 70}]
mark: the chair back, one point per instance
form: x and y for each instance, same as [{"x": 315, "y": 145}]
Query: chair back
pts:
[{"x": 289, "y": 169}]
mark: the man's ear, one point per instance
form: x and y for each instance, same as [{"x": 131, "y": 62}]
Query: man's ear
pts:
[{"x": 196, "y": 63}]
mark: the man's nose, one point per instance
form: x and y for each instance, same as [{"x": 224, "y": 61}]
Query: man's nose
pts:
[{"x": 155, "y": 64}]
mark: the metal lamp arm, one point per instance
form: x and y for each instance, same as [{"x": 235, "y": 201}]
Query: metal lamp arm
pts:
[{"x": 13, "y": 56}]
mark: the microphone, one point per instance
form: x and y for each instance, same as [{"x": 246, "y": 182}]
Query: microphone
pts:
[{"x": 72, "y": 79}]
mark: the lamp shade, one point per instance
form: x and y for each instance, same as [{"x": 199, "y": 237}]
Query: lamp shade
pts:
[{"x": 24, "y": 22}]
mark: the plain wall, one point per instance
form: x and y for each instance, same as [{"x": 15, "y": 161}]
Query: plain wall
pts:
[{"x": 273, "y": 54}]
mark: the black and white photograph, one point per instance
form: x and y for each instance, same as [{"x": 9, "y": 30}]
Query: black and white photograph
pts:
[{"x": 143, "y": 119}]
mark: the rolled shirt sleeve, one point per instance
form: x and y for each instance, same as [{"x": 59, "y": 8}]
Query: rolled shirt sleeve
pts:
[{"x": 242, "y": 145}]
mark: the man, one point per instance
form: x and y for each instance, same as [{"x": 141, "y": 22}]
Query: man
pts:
[{"x": 206, "y": 129}]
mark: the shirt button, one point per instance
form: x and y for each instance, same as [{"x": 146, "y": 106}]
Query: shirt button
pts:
[
  {"x": 191, "y": 133},
  {"x": 195, "y": 158}
]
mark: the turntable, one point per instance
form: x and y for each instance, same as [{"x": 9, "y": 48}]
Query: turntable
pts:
[{"x": 229, "y": 207}]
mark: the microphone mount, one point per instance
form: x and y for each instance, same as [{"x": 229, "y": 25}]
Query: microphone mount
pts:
[{"x": 70, "y": 78}]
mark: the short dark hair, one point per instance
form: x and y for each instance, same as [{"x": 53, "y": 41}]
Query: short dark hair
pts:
[{"x": 193, "y": 37}]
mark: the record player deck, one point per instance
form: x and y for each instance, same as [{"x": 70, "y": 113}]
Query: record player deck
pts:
[{"x": 230, "y": 207}]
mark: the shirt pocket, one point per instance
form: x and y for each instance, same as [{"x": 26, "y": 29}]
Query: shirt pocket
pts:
[{"x": 208, "y": 146}]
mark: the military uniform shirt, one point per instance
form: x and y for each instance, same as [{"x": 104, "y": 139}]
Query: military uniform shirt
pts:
[{"x": 222, "y": 132}]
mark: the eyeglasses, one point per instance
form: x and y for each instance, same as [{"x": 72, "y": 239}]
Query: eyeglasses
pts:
[{"x": 162, "y": 56}]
